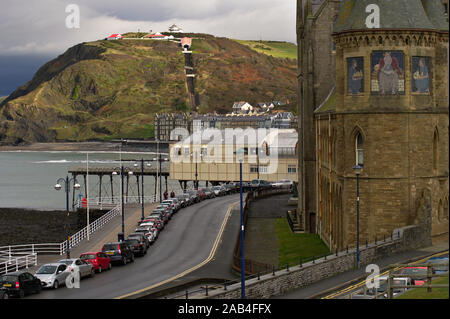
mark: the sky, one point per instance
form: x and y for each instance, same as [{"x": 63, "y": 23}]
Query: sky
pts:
[{"x": 36, "y": 31}]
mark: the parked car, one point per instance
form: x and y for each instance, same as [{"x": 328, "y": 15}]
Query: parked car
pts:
[
  {"x": 161, "y": 214},
  {"x": 201, "y": 194},
  {"x": 52, "y": 275},
  {"x": 186, "y": 198},
  {"x": 219, "y": 190},
  {"x": 137, "y": 247},
  {"x": 156, "y": 220},
  {"x": 20, "y": 283},
  {"x": 194, "y": 196},
  {"x": 118, "y": 252},
  {"x": 142, "y": 238},
  {"x": 84, "y": 268},
  {"x": 260, "y": 184},
  {"x": 3, "y": 293},
  {"x": 174, "y": 203},
  {"x": 418, "y": 274},
  {"x": 99, "y": 260},
  {"x": 284, "y": 183},
  {"x": 148, "y": 231},
  {"x": 230, "y": 188},
  {"x": 168, "y": 208},
  {"x": 441, "y": 268},
  {"x": 208, "y": 192}
]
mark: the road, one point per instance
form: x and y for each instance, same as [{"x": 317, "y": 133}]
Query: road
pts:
[{"x": 186, "y": 243}]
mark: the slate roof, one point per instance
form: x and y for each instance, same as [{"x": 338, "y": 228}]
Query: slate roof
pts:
[{"x": 394, "y": 14}]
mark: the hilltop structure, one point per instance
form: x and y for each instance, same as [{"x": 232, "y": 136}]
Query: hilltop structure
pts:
[{"x": 373, "y": 91}]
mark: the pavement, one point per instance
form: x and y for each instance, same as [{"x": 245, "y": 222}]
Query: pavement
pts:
[{"x": 341, "y": 281}]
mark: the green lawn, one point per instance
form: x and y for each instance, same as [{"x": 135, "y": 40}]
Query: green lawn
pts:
[
  {"x": 296, "y": 246},
  {"x": 421, "y": 293},
  {"x": 274, "y": 48}
]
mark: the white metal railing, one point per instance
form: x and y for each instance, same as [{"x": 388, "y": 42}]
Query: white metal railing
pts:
[
  {"x": 116, "y": 200},
  {"x": 16, "y": 263}
]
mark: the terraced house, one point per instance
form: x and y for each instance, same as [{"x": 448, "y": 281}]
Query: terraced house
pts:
[{"x": 373, "y": 91}]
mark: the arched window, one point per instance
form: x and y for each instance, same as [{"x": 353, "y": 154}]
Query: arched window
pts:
[
  {"x": 359, "y": 149},
  {"x": 435, "y": 151}
]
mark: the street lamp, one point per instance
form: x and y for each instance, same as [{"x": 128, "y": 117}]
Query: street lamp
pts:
[
  {"x": 240, "y": 157},
  {"x": 358, "y": 170},
  {"x": 160, "y": 159},
  {"x": 58, "y": 187},
  {"x": 122, "y": 171},
  {"x": 196, "y": 170}
]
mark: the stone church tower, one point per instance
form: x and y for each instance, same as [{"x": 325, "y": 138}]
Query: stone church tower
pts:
[{"x": 373, "y": 82}]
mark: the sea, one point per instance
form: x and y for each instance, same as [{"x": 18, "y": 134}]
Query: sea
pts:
[{"x": 28, "y": 178}]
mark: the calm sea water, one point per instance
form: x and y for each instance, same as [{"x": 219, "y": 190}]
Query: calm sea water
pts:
[{"x": 27, "y": 178}]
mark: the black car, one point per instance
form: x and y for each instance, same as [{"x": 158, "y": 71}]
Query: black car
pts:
[
  {"x": 138, "y": 248},
  {"x": 141, "y": 237},
  {"x": 195, "y": 196},
  {"x": 20, "y": 283},
  {"x": 118, "y": 252}
]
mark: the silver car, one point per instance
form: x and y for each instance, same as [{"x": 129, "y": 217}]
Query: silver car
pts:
[
  {"x": 76, "y": 264},
  {"x": 52, "y": 275}
]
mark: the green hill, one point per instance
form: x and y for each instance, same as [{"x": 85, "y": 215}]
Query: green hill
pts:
[
  {"x": 276, "y": 49},
  {"x": 110, "y": 89}
]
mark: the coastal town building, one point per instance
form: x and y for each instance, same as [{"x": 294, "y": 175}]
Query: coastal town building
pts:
[
  {"x": 172, "y": 126},
  {"x": 376, "y": 97},
  {"x": 210, "y": 155},
  {"x": 175, "y": 29}
]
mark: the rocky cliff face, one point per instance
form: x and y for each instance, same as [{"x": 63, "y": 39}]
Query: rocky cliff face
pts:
[{"x": 110, "y": 89}]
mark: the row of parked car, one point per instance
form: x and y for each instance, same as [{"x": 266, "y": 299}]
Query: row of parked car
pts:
[{"x": 54, "y": 275}]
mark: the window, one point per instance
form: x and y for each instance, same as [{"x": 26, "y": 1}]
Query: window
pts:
[
  {"x": 253, "y": 169},
  {"x": 292, "y": 169},
  {"x": 263, "y": 169},
  {"x": 359, "y": 145}
]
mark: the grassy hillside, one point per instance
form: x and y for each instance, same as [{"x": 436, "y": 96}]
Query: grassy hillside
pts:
[
  {"x": 276, "y": 49},
  {"x": 112, "y": 89}
]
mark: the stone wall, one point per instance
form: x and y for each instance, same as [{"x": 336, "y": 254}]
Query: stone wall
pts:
[{"x": 284, "y": 281}]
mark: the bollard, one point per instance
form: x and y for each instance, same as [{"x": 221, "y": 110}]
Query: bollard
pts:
[
  {"x": 301, "y": 265},
  {"x": 347, "y": 249},
  {"x": 287, "y": 267},
  {"x": 367, "y": 243},
  {"x": 384, "y": 238},
  {"x": 259, "y": 277},
  {"x": 187, "y": 295},
  {"x": 336, "y": 252},
  {"x": 314, "y": 259},
  {"x": 398, "y": 234},
  {"x": 206, "y": 286},
  {"x": 225, "y": 286},
  {"x": 273, "y": 270},
  {"x": 325, "y": 256}
]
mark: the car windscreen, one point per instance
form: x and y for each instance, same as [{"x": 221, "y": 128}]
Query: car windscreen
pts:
[
  {"x": 109, "y": 247},
  {"x": 46, "y": 270},
  {"x": 88, "y": 256},
  {"x": 132, "y": 241},
  {"x": 66, "y": 262}
]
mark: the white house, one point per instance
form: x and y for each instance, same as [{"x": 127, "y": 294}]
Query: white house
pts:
[
  {"x": 176, "y": 29},
  {"x": 242, "y": 107}
]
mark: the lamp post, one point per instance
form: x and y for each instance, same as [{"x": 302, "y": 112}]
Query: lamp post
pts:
[
  {"x": 240, "y": 157},
  {"x": 358, "y": 170},
  {"x": 160, "y": 159},
  {"x": 142, "y": 185},
  {"x": 122, "y": 171},
  {"x": 58, "y": 187}
]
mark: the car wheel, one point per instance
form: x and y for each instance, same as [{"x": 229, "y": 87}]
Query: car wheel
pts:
[
  {"x": 92, "y": 273},
  {"x": 56, "y": 284},
  {"x": 109, "y": 266},
  {"x": 21, "y": 293},
  {"x": 132, "y": 257},
  {"x": 124, "y": 260},
  {"x": 5, "y": 295},
  {"x": 99, "y": 269}
]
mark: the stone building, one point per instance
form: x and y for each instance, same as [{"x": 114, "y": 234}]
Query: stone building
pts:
[
  {"x": 172, "y": 126},
  {"x": 387, "y": 110}
]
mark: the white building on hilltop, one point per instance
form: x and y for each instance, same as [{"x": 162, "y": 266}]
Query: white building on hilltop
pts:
[{"x": 176, "y": 29}]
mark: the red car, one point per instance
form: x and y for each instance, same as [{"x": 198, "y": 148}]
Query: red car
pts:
[
  {"x": 99, "y": 260},
  {"x": 419, "y": 274},
  {"x": 201, "y": 194}
]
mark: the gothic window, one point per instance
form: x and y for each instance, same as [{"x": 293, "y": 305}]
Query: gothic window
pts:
[{"x": 359, "y": 149}]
